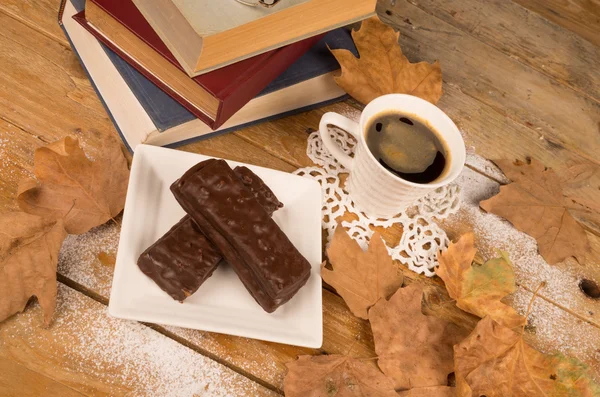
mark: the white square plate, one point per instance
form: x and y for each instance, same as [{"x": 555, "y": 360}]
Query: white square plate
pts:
[{"x": 222, "y": 304}]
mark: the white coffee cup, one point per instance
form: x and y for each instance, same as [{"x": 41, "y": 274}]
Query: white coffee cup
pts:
[{"x": 375, "y": 190}]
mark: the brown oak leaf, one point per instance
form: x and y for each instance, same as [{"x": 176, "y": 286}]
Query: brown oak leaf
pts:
[
  {"x": 107, "y": 259},
  {"x": 534, "y": 204},
  {"x": 478, "y": 289},
  {"x": 361, "y": 278},
  {"x": 29, "y": 247},
  {"x": 382, "y": 67},
  {"x": 495, "y": 361},
  {"x": 335, "y": 375},
  {"x": 71, "y": 187},
  {"x": 413, "y": 349},
  {"x": 435, "y": 391}
]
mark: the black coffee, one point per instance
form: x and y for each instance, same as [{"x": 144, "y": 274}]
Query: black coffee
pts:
[{"x": 407, "y": 147}]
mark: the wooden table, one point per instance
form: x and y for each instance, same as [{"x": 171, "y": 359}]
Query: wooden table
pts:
[{"x": 521, "y": 79}]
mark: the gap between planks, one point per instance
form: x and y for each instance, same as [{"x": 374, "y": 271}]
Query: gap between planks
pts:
[
  {"x": 158, "y": 328},
  {"x": 355, "y": 105},
  {"x": 20, "y": 127},
  {"x": 33, "y": 26},
  {"x": 519, "y": 59}
]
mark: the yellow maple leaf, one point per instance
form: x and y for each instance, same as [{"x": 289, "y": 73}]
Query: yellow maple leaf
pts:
[
  {"x": 495, "y": 361},
  {"x": 479, "y": 289},
  {"x": 382, "y": 67}
]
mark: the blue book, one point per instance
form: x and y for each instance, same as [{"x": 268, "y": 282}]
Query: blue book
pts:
[{"x": 143, "y": 113}]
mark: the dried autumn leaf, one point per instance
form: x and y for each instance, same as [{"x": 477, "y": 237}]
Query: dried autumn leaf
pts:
[
  {"x": 361, "y": 278},
  {"x": 478, "y": 289},
  {"x": 29, "y": 247},
  {"x": 335, "y": 375},
  {"x": 107, "y": 259},
  {"x": 534, "y": 204},
  {"x": 435, "y": 391},
  {"x": 495, "y": 361},
  {"x": 413, "y": 349},
  {"x": 71, "y": 187},
  {"x": 382, "y": 67}
]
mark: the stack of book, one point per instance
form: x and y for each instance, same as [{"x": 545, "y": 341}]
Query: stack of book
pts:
[{"x": 169, "y": 71}]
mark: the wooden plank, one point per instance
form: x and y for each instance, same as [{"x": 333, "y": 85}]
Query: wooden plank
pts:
[
  {"x": 42, "y": 15},
  {"x": 568, "y": 296},
  {"x": 580, "y": 16},
  {"x": 511, "y": 88},
  {"x": 344, "y": 333},
  {"x": 16, "y": 160},
  {"x": 525, "y": 36},
  {"x": 97, "y": 355},
  {"x": 576, "y": 338},
  {"x": 231, "y": 147},
  {"x": 55, "y": 97},
  {"x": 563, "y": 290},
  {"x": 19, "y": 381},
  {"x": 483, "y": 131},
  {"x": 493, "y": 233},
  {"x": 482, "y": 128}
]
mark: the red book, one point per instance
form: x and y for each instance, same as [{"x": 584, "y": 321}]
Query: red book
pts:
[{"x": 212, "y": 97}]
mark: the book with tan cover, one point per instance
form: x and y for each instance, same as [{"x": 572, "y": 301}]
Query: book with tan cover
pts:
[{"x": 208, "y": 34}]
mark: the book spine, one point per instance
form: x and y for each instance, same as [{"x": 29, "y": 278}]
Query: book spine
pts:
[
  {"x": 259, "y": 77},
  {"x": 80, "y": 18}
]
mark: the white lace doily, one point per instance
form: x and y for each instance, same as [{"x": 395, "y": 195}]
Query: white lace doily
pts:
[{"x": 421, "y": 237}]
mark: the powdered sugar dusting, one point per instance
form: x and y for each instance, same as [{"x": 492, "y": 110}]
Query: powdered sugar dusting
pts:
[
  {"x": 351, "y": 112},
  {"x": 549, "y": 327},
  {"x": 12, "y": 172},
  {"x": 124, "y": 356},
  {"x": 78, "y": 258},
  {"x": 248, "y": 354},
  {"x": 493, "y": 233},
  {"x": 485, "y": 167}
]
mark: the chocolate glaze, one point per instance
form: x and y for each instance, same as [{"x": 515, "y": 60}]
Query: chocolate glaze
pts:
[
  {"x": 259, "y": 189},
  {"x": 181, "y": 260},
  {"x": 268, "y": 264}
]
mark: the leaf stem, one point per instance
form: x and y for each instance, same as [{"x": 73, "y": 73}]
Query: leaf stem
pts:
[{"x": 530, "y": 306}]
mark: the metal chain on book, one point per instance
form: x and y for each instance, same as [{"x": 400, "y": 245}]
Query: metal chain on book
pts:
[{"x": 263, "y": 3}]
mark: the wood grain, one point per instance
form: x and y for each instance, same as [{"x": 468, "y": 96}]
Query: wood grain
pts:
[
  {"x": 98, "y": 355},
  {"x": 526, "y": 37},
  {"x": 482, "y": 128},
  {"x": 513, "y": 89},
  {"x": 55, "y": 97},
  {"x": 45, "y": 95},
  {"x": 562, "y": 279},
  {"x": 16, "y": 160},
  {"x": 580, "y": 16},
  {"x": 40, "y": 15},
  {"x": 575, "y": 302},
  {"x": 19, "y": 381}
]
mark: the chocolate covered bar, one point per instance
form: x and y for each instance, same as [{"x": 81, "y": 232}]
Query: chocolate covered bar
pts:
[
  {"x": 265, "y": 260},
  {"x": 181, "y": 260},
  {"x": 259, "y": 189}
]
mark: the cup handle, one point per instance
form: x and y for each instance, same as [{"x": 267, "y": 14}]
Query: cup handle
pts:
[{"x": 344, "y": 123}]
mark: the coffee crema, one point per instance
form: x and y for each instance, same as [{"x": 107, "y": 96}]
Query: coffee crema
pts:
[{"x": 407, "y": 146}]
